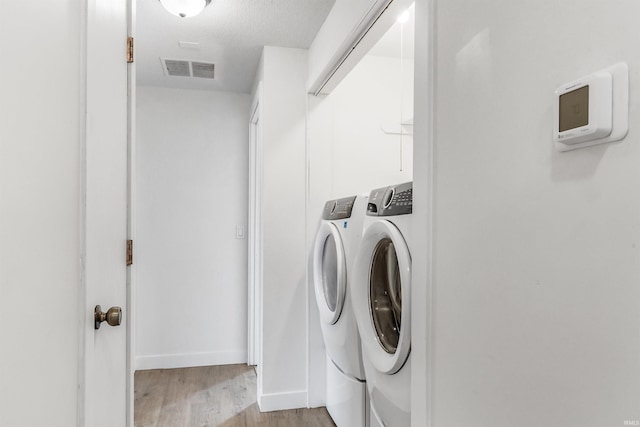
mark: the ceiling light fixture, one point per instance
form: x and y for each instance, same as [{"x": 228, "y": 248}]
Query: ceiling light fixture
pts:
[{"x": 184, "y": 8}]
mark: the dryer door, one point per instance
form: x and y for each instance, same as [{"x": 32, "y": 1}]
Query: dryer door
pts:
[
  {"x": 329, "y": 272},
  {"x": 382, "y": 295}
]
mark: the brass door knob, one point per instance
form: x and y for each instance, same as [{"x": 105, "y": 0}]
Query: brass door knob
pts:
[{"x": 113, "y": 316}]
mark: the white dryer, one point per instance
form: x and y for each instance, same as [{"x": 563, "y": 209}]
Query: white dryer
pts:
[
  {"x": 335, "y": 250},
  {"x": 381, "y": 291}
]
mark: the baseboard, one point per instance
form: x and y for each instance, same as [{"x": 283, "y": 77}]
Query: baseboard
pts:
[
  {"x": 282, "y": 401},
  {"x": 188, "y": 360}
]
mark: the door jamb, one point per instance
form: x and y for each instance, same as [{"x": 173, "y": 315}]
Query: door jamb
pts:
[{"x": 254, "y": 334}]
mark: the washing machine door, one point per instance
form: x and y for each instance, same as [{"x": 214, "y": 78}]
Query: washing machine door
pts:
[
  {"x": 382, "y": 296},
  {"x": 329, "y": 272}
]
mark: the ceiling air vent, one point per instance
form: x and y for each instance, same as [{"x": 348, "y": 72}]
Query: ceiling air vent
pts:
[
  {"x": 183, "y": 68},
  {"x": 177, "y": 68},
  {"x": 203, "y": 70}
]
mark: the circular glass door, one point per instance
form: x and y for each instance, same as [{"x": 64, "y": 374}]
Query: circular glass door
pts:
[
  {"x": 381, "y": 291},
  {"x": 330, "y": 272},
  {"x": 385, "y": 295}
]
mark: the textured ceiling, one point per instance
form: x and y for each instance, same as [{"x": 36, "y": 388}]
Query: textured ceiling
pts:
[{"x": 231, "y": 34}]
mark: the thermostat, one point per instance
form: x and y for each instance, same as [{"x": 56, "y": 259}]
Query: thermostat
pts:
[{"x": 592, "y": 110}]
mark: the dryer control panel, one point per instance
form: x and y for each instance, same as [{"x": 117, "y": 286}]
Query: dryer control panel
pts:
[
  {"x": 339, "y": 208},
  {"x": 392, "y": 200}
]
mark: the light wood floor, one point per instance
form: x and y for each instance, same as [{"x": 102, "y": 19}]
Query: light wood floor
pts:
[{"x": 211, "y": 396}]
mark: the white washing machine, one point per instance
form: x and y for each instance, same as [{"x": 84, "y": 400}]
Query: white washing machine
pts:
[
  {"x": 335, "y": 250},
  {"x": 381, "y": 292}
]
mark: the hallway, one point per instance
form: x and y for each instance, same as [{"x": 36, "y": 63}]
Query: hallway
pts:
[{"x": 211, "y": 396}]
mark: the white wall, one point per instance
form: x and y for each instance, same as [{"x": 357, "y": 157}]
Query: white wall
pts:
[
  {"x": 40, "y": 175},
  {"x": 349, "y": 151},
  {"x": 283, "y": 368},
  {"x": 192, "y": 169},
  {"x": 536, "y": 257}
]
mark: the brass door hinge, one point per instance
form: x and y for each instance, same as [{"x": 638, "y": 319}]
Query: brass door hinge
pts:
[
  {"x": 129, "y": 50},
  {"x": 129, "y": 252}
]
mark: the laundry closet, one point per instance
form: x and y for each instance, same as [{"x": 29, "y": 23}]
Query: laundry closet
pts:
[{"x": 361, "y": 145}]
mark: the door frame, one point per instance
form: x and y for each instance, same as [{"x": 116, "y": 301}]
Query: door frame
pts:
[
  {"x": 254, "y": 329},
  {"x": 424, "y": 177},
  {"x": 131, "y": 213}
]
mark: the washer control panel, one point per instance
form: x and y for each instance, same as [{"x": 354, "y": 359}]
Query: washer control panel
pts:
[
  {"x": 338, "y": 208},
  {"x": 392, "y": 200}
]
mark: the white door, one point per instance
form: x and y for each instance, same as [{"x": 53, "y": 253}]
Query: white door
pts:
[{"x": 105, "y": 189}]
